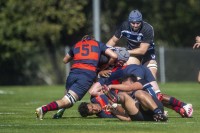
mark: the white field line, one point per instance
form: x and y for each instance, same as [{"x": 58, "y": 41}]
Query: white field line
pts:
[
  {"x": 6, "y": 92},
  {"x": 7, "y": 113},
  {"x": 11, "y": 125}
]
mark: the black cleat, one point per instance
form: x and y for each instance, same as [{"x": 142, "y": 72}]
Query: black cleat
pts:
[{"x": 160, "y": 117}]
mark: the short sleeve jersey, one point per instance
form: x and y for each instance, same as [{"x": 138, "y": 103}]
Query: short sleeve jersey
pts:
[
  {"x": 137, "y": 70},
  {"x": 145, "y": 34}
]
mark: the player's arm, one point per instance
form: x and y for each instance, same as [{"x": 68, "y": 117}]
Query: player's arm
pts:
[
  {"x": 196, "y": 45},
  {"x": 105, "y": 73},
  {"x": 67, "y": 58},
  {"x": 140, "y": 50},
  {"x": 118, "y": 111},
  {"x": 112, "y": 41},
  {"x": 123, "y": 87},
  {"x": 95, "y": 89},
  {"x": 113, "y": 57}
]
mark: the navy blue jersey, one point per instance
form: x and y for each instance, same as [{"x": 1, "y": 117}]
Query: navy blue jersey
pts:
[
  {"x": 146, "y": 87},
  {"x": 102, "y": 100},
  {"x": 145, "y": 34},
  {"x": 138, "y": 70}
]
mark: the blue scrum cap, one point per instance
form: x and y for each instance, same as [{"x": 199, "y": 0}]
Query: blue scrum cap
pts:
[{"x": 135, "y": 16}]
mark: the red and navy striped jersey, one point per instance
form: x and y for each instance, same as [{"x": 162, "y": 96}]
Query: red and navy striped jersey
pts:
[
  {"x": 102, "y": 100},
  {"x": 86, "y": 54}
]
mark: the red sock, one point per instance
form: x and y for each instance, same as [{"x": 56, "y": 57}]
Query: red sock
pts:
[{"x": 50, "y": 107}]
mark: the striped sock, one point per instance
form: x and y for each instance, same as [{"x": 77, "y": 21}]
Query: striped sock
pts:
[
  {"x": 50, "y": 107},
  {"x": 175, "y": 102},
  {"x": 177, "y": 109}
]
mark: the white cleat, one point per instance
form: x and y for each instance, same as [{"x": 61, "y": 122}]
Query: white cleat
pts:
[
  {"x": 166, "y": 113},
  {"x": 39, "y": 113},
  {"x": 188, "y": 110}
]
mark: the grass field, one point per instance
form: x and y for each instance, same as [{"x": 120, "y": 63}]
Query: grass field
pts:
[{"x": 17, "y": 107}]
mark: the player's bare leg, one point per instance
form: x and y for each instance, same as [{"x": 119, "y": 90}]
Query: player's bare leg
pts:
[
  {"x": 146, "y": 100},
  {"x": 66, "y": 102},
  {"x": 152, "y": 65}
]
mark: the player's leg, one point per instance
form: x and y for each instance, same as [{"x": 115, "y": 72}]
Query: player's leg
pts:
[
  {"x": 199, "y": 77},
  {"x": 78, "y": 84},
  {"x": 60, "y": 112},
  {"x": 146, "y": 100},
  {"x": 66, "y": 102},
  {"x": 149, "y": 77},
  {"x": 151, "y": 103},
  {"x": 184, "y": 109},
  {"x": 149, "y": 60},
  {"x": 152, "y": 65},
  {"x": 131, "y": 106}
]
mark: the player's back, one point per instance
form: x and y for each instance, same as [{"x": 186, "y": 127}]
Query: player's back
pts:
[
  {"x": 140, "y": 71},
  {"x": 86, "y": 54}
]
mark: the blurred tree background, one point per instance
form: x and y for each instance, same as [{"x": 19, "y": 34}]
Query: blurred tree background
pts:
[{"x": 34, "y": 34}]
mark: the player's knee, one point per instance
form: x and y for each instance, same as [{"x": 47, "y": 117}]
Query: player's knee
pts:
[
  {"x": 122, "y": 96},
  {"x": 137, "y": 117},
  {"x": 70, "y": 99},
  {"x": 152, "y": 66}
]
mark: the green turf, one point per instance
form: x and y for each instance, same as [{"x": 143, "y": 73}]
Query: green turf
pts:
[{"x": 17, "y": 106}]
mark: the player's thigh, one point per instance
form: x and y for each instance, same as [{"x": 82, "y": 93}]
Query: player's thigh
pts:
[{"x": 81, "y": 85}]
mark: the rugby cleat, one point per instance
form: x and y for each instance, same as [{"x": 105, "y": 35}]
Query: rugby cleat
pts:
[
  {"x": 109, "y": 94},
  {"x": 39, "y": 113},
  {"x": 188, "y": 110},
  {"x": 59, "y": 114},
  {"x": 160, "y": 117}
]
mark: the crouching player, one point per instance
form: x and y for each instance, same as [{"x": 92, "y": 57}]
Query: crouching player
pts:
[{"x": 142, "y": 72}]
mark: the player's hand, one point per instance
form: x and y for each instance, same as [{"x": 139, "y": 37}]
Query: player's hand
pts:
[
  {"x": 107, "y": 108},
  {"x": 105, "y": 89},
  {"x": 196, "y": 45},
  {"x": 105, "y": 73}
]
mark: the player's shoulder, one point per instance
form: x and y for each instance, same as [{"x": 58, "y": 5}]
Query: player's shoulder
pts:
[{"x": 146, "y": 25}]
